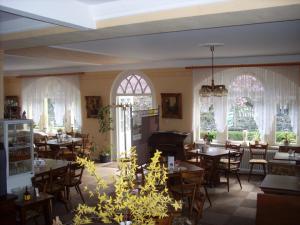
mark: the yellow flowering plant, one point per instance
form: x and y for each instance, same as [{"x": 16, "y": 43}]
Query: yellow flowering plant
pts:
[{"x": 151, "y": 202}]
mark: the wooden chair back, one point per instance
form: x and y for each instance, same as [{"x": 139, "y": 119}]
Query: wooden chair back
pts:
[
  {"x": 192, "y": 177},
  {"x": 75, "y": 172},
  {"x": 186, "y": 150},
  {"x": 235, "y": 156},
  {"x": 57, "y": 179},
  {"x": 40, "y": 181},
  {"x": 258, "y": 150}
]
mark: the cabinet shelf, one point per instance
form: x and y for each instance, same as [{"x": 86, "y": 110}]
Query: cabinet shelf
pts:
[{"x": 17, "y": 138}]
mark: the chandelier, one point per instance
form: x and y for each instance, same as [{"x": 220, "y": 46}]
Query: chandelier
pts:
[{"x": 213, "y": 90}]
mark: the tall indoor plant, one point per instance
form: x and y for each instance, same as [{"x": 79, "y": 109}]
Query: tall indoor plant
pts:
[{"x": 105, "y": 125}]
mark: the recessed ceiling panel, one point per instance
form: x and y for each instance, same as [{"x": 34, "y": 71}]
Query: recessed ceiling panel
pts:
[{"x": 280, "y": 38}]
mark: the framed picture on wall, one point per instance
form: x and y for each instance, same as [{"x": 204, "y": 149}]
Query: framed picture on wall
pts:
[
  {"x": 171, "y": 105},
  {"x": 93, "y": 104}
]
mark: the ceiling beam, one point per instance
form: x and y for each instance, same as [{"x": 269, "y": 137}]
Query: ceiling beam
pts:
[{"x": 70, "y": 55}]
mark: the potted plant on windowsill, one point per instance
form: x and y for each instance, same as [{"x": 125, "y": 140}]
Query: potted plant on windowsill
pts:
[
  {"x": 256, "y": 137},
  {"x": 208, "y": 137},
  {"x": 105, "y": 153},
  {"x": 287, "y": 138}
]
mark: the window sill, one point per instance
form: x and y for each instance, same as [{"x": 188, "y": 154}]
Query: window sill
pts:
[{"x": 221, "y": 144}]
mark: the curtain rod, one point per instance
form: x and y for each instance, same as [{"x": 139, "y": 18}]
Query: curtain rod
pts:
[
  {"x": 50, "y": 75},
  {"x": 245, "y": 65}
]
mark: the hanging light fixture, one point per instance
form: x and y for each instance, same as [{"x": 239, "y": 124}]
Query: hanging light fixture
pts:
[{"x": 213, "y": 90}]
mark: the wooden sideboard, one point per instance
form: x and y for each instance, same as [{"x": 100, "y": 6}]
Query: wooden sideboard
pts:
[
  {"x": 170, "y": 143},
  {"x": 280, "y": 202}
]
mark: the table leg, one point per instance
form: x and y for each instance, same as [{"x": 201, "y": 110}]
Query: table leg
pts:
[
  {"x": 23, "y": 216},
  {"x": 47, "y": 212},
  {"x": 215, "y": 177}
]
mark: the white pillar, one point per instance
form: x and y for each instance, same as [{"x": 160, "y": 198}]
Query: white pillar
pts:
[{"x": 1, "y": 85}]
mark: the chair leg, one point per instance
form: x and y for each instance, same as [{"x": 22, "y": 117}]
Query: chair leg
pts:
[
  {"x": 251, "y": 167},
  {"x": 68, "y": 193},
  {"x": 238, "y": 178},
  {"x": 207, "y": 196},
  {"x": 227, "y": 177},
  {"x": 79, "y": 191},
  {"x": 264, "y": 167}
]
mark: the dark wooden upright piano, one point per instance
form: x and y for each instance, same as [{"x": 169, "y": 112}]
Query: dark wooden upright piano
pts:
[{"x": 170, "y": 143}]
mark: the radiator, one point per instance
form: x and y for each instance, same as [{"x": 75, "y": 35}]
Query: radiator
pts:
[{"x": 245, "y": 167}]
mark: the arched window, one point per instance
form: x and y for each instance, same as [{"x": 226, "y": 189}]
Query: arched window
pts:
[{"x": 132, "y": 88}]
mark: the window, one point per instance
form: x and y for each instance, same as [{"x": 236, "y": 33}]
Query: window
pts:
[
  {"x": 261, "y": 103},
  {"x": 53, "y": 102},
  {"x": 284, "y": 127},
  {"x": 241, "y": 117},
  {"x": 207, "y": 121}
]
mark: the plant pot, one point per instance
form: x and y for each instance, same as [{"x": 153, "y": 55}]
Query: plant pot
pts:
[
  {"x": 256, "y": 142},
  {"x": 104, "y": 158},
  {"x": 286, "y": 143}
]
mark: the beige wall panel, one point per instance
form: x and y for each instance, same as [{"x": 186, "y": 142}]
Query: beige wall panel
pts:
[
  {"x": 174, "y": 81},
  {"x": 13, "y": 86},
  {"x": 95, "y": 84}
]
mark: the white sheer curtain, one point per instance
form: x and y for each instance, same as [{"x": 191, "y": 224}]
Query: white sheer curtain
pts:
[
  {"x": 270, "y": 86},
  {"x": 64, "y": 93}
]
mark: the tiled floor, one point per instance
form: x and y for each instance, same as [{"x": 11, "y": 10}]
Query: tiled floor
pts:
[{"x": 236, "y": 207}]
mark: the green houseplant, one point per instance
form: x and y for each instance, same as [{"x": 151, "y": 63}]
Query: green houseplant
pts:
[
  {"x": 105, "y": 125},
  {"x": 105, "y": 153},
  {"x": 145, "y": 205},
  {"x": 208, "y": 137},
  {"x": 256, "y": 137}
]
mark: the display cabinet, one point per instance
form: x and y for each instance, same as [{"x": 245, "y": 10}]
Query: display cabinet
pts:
[{"x": 17, "y": 138}]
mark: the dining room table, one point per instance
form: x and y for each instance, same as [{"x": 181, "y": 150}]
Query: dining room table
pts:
[
  {"x": 284, "y": 163},
  {"x": 58, "y": 146},
  {"x": 183, "y": 166},
  {"x": 211, "y": 157},
  {"x": 44, "y": 165},
  {"x": 287, "y": 156}
]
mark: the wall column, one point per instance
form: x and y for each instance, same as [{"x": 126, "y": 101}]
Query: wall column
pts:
[{"x": 1, "y": 84}]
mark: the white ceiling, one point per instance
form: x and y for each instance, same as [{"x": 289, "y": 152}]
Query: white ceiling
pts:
[
  {"x": 95, "y": 2},
  {"x": 254, "y": 41}
]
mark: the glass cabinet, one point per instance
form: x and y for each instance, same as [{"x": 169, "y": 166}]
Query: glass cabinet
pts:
[{"x": 17, "y": 137}]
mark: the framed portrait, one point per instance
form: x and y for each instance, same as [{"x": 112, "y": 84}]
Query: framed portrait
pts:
[
  {"x": 93, "y": 104},
  {"x": 171, "y": 105}
]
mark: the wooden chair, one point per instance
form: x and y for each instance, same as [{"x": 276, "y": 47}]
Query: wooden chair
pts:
[
  {"x": 73, "y": 179},
  {"x": 258, "y": 156},
  {"x": 188, "y": 155},
  {"x": 231, "y": 164},
  {"x": 41, "y": 147},
  {"x": 83, "y": 148},
  {"x": 190, "y": 188},
  {"x": 207, "y": 166},
  {"x": 56, "y": 185},
  {"x": 41, "y": 181}
]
